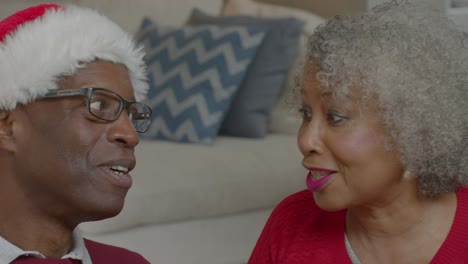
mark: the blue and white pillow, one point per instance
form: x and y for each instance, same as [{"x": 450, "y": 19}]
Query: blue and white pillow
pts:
[
  {"x": 262, "y": 87},
  {"x": 194, "y": 73}
]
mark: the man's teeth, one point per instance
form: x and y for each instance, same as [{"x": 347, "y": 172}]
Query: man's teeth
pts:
[{"x": 119, "y": 170}]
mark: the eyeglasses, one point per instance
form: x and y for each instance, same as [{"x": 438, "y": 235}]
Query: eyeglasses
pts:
[{"x": 107, "y": 105}]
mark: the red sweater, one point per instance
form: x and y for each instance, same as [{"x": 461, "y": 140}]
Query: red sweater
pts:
[
  {"x": 99, "y": 253},
  {"x": 298, "y": 232}
]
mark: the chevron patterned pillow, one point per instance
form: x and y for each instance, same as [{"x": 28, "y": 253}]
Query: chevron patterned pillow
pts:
[{"x": 194, "y": 73}]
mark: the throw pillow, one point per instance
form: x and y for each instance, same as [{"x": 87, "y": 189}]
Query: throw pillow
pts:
[
  {"x": 284, "y": 117},
  {"x": 259, "y": 92},
  {"x": 194, "y": 73}
]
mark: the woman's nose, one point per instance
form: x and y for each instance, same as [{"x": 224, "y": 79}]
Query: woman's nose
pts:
[{"x": 310, "y": 138}]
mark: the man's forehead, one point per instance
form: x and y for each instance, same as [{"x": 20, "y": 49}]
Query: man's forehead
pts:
[{"x": 101, "y": 74}]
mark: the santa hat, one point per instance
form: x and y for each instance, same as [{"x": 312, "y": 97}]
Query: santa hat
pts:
[{"x": 40, "y": 44}]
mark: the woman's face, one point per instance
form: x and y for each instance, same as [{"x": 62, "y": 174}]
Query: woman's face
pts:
[{"x": 344, "y": 150}]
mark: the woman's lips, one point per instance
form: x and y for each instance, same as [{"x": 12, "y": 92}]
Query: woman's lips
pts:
[{"x": 317, "y": 178}]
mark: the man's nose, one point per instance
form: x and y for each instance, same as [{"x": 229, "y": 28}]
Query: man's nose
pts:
[{"x": 123, "y": 131}]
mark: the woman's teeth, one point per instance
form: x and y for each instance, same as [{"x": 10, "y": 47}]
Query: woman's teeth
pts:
[{"x": 316, "y": 174}]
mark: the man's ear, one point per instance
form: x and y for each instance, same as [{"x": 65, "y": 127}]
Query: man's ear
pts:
[
  {"x": 6, "y": 130},
  {"x": 5, "y": 123}
]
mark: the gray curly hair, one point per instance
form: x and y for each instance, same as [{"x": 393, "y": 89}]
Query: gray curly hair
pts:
[{"x": 415, "y": 62}]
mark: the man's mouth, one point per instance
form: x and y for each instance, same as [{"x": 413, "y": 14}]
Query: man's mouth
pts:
[
  {"x": 119, "y": 174},
  {"x": 119, "y": 170}
]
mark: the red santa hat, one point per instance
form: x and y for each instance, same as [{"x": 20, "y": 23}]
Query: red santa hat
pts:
[{"x": 40, "y": 44}]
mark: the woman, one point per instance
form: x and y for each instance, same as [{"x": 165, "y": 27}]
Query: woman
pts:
[{"x": 384, "y": 139}]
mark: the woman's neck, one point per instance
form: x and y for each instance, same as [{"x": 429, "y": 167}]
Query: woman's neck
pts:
[{"x": 395, "y": 228}]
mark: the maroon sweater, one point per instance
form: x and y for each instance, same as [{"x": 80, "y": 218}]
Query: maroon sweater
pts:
[
  {"x": 99, "y": 253},
  {"x": 298, "y": 232}
]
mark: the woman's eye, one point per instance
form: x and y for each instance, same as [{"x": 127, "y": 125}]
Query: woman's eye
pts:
[
  {"x": 305, "y": 113},
  {"x": 335, "y": 118}
]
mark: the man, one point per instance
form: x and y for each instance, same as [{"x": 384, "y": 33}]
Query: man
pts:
[{"x": 69, "y": 123}]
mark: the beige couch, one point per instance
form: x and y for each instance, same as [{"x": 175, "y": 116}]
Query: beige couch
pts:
[{"x": 197, "y": 203}]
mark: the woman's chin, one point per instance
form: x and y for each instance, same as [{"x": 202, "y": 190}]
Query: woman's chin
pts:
[{"x": 328, "y": 203}]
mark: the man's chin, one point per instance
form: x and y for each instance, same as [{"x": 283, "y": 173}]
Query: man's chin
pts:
[{"x": 104, "y": 211}]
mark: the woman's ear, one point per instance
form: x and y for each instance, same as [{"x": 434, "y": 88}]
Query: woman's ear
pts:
[{"x": 6, "y": 130}]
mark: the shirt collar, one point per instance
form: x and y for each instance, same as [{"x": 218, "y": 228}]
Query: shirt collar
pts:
[{"x": 10, "y": 252}]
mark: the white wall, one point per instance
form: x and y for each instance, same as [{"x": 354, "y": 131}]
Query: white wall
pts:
[
  {"x": 329, "y": 8},
  {"x": 439, "y": 4},
  {"x": 459, "y": 16},
  {"x": 324, "y": 8}
]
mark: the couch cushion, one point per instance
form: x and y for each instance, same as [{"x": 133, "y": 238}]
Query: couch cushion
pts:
[
  {"x": 186, "y": 181},
  {"x": 215, "y": 240},
  {"x": 194, "y": 74},
  {"x": 261, "y": 88},
  {"x": 284, "y": 118}
]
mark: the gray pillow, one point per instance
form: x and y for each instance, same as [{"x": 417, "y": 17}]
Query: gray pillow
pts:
[{"x": 261, "y": 88}]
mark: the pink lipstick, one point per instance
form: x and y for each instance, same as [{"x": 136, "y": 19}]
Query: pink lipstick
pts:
[{"x": 317, "y": 178}]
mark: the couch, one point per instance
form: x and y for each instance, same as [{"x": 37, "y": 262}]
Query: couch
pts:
[{"x": 202, "y": 203}]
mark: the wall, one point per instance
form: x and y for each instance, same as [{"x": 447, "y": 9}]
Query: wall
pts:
[
  {"x": 459, "y": 16},
  {"x": 330, "y": 8},
  {"x": 324, "y": 8},
  {"x": 438, "y": 4}
]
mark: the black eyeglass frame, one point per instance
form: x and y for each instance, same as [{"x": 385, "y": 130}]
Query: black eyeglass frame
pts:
[{"x": 88, "y": 91}]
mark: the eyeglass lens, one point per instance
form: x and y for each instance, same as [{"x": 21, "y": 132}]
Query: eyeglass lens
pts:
[
  {"x": 108, "y": 106},
  {"x": 140, "y": 115}
]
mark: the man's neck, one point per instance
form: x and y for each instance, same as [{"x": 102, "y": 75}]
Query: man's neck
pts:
[{"x": 30, "y": 229}]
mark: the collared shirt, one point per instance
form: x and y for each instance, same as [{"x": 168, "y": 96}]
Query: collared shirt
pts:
[{"x": 10, "y": 252}]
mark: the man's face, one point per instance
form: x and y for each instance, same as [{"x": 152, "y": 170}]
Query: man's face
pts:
[{"x": 65, "y": 158}]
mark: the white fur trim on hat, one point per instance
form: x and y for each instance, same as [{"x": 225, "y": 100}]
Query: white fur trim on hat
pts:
[{"x": 58, "y": 43}]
